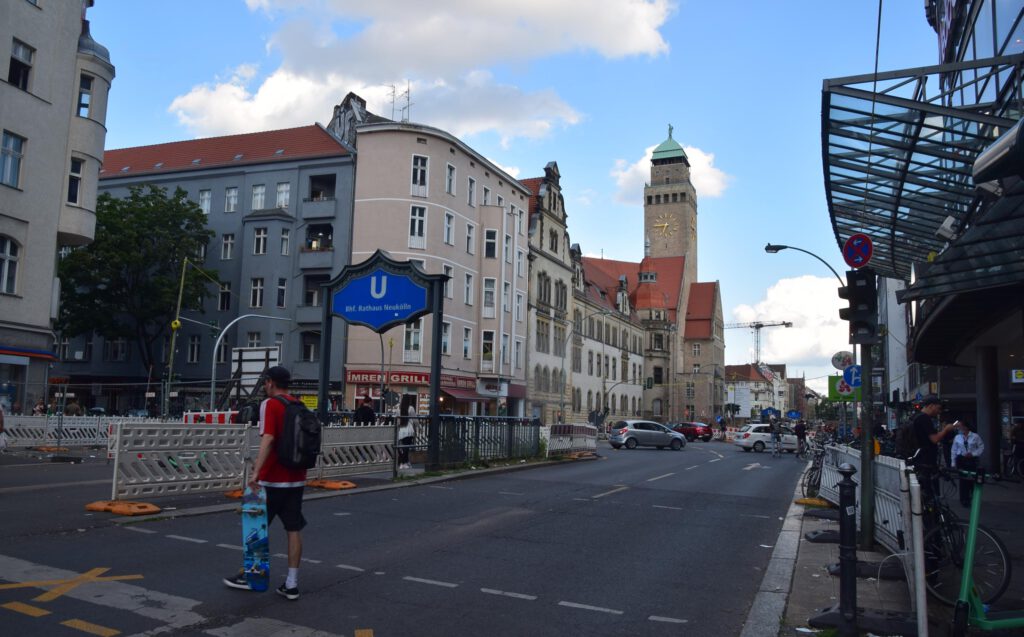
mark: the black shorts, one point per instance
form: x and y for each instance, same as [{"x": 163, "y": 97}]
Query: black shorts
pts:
[{"x": 286, "y": 502}]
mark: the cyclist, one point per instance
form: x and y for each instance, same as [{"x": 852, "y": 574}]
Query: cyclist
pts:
[{"x": 800, "y": 429}]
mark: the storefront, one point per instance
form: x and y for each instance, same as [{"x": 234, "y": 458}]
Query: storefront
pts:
[{"x": 458, "y": 393}]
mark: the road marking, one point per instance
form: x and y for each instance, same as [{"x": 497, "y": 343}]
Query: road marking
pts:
[
  {"x": 599, "y": 609},
  {"x": 432, "y": 582},
  {"x": 660, "y": 477},
  {"x": 752, "y": 515},
  {"x": 311, "y": 561},
  {"x": 138, "y": 529},
  {"x": 343, "y": 513},
  {"x": 582, "y": 499},
  {"x": 693, "y": 467},
  {"x": 753, "y": 465},
  {"x": 715, "y": 460},
  {"x": 350, "y": 568},
  {"x": 509, "y": 493},
  {"x": 25, "y": 609},
  {"x": 437, "y": 486},
  {"x": 284, "y": 555},
  {"x": 601, "y": 495},
  {"x": 491, "y": 591},
  {"x": 90, "y": 628},
  {"x": 261, "y": 626},
  {"x": 55, "y": 485},
  {"x": 233, "y": 547},
  {"x": 660, "y": 506},
  {"x": 62, "y": 586},
  {"x": 670, "y": 620},
  {"x": 186, "y": 539}
]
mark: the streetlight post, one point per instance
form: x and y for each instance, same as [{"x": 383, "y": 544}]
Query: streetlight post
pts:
[
  {"x": 216, "y": 345},
  {"x": 565, "y": 347}
]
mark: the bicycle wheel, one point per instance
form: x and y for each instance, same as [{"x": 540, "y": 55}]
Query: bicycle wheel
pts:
[
  {"x": 943, "y": 558},
  {"x": 810, "y": 484}
]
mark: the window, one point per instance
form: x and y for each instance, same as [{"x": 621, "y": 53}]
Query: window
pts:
[
  {"x": 411, "y": 342},
  {"x": 470, "y": 240},
  {"x": 696, "y": 368},
  {"x": 419, "y": 176},
  {"x": 518, "y": 355},
  {"x": 11, "y": 154},
  {"x": 590, "y": 363},
  {"x": 84, "y": 95},
  {"x": 417, "y": 219},
  {"x": 553, "y": 241},
  {"x": 8, "y": 265},
  {"x": 449, "y": 228},
  {"x": 487, "y": 196},
  {"x": 690, "y": 391},
  {"x": 506, "y": 293},
  {"x": 489, "y": 297},
  {"x": 21, "y": 64},
  {"x": 487, "y": 350},
  {"x": 658, "y": 378},
  {"x": 115, "y": 349},
  {"x": 310, "y": 347},
  {"x": 205, "y": 197},
  {"x": 504, "y": 349},
  {"x": 259, "y": 194},
  {"x": 284, "y": 194},
  {"x": 253, "y": 339},
  {"x": 256, "y": 292},
  {"x": 467, "y": 342},
  {"x": 227, "y": 246},
  {"x": 520, "y": 224},
  {"x": 282, "y": 292},
  {"x": 446, "y": 338},
  {"x": 508, "y": 248},
  {"x": 286, "y": 236},
  {"x": 559, "y": 341},
  {"x": 225, "y": 297},
  {"x": 471, "y": 192},
  {"x": 519, "y": 306},
  {"x": 696, "y": 349},
  {"x": 449, "y": 180},
  {"x": 231, "y": 199},
  {"x": 447, "y": 270},
  {"x": 193, "y": 348},
  {"x": 468, "y": 290},
  {"x": 501, "y": 201},
  {"x": 259, "y": 242},
  {"x": 490, "y": 244},
  {"x": 222, "y": 351},
  {"x": 543, "y": 336},
  {"x": 75, "y": 180},
  {"x": 520, "y": 258},
  {"x": 63, "y": 348}
]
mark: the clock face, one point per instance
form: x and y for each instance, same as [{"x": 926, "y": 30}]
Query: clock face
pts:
[{"x": 666, "y": 225}]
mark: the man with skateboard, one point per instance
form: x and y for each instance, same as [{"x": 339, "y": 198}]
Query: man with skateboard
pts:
[{"x": 284, "y": 486}]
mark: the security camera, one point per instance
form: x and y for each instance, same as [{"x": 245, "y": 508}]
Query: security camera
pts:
[
  {"x": 947, "y": 230},
  {"x": 1003, "y": 158}
]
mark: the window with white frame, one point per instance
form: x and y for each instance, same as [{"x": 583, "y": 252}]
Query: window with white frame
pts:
[
  {"x": 419, "y": 176},
  {"x": 468, "y": 290},
  {"x": 11, "y": 155},
  {"x": 518, "y": 356},
  {"x": 224, "y": 302},
  {"x": 417, "y": 221},
  {"x": 508, "y": 248},
  {"x": 9, "y": 255},
  {"x": 449, "y": 228},
  {"x": 467, "y": 342},
  {"x": 222, "y": 351},
  {"x": 521, "y": 218},
  {"x": 286, "y": 236},
  {"x": 446, "y": 338},
  {"x": 256, "y": 292},
  {"x": 115, "y": 349},
  {"x": 449, "y": 180},
  {"x": 489, "y": 291},
  {"x": 84, "y": 94},
  {"x": 310, "y": 347},
  {"x": 520, "y": 260},
  {"x": 470, "y": 239},
  {"x": 75, "y": 180},
  {"x": 259, "y": 241},
  {"x": 505, "y": 349},
  {"x": 501, "y": 201},
  {"x": 506, "y": 296},
  {"x": 20, "y": 70},
  {"x": 231, "y": 199},
  {"x": 487, "y": 196},
  {"x": 543, "y": 336},
  {"x": 448, "y": 272},
  {"x": 471, "y": 192},
  {"x": 253, "y": 339},
  {"x": 205, "y": 197},
  {"x": 227, "y": 246},
  {"x": 282, "y": 292},
  {"x": 412, "y": 344},
  {"x": 284, "y": 194},
  {"x": 487, "y": 346},
  {"x": 695, "y": 349},
  {"x": 193, "y": 348},
  {"x": 519, "y": 306},
  {"x": 63, "y": 348},
  {"x": 490, "y": 243},
  {"x": 696, "y": 368},
  {"x": 259, "y": 196}
]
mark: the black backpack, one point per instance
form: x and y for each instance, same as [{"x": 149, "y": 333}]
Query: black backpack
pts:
[
  {"x": 298, "y": 446},
  {"x": 906, "y": 440}
]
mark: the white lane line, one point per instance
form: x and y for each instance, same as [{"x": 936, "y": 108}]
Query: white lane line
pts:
[
  {"x": 660, "y": 477},
  {"x": 306, "y": 559},
  {"x": 233, "y": 547},
  {"x": 435, "y": 486},
  {"x": 669, "y": 620},
  {"x": 491, "y": 591},
  {"x": 693, "y": 467},
  {"x": 601, "y": 495},
  {"x": 138, "y": 529},
  {"x": 659, "y": 506},
  {"x": 582, "y": 499},
  {"x": 509, "y": 493},
  {"x": 349, "y": 567},
  {"x": 715, "y": 460},
  {"x": 186, "y": 539},
  {"x": 599, "y": 609},
  {"x": 753, "y": 515},
  {"x": 343, "y": 513},
  {"x": 432, "y": 582},
  {"x": 284, "y": 555}
]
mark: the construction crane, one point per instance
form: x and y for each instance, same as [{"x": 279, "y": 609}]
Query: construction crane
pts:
[{"x": 757, "y": 326}]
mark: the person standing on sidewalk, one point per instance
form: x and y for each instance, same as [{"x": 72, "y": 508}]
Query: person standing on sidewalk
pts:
[
  {"x": 284, "y": 486},
  {"x": 967, "y": 449}
]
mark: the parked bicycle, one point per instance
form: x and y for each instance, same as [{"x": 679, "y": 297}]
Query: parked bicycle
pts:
[
  {"x": 1013, "y": 463},
  {"x": 811, "y": 482}
]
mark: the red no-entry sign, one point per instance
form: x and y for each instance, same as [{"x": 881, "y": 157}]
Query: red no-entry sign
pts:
[{"x": 857, "y": 250}]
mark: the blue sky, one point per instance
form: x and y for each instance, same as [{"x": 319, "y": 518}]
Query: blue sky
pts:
[{"x": 591, "y": 84}]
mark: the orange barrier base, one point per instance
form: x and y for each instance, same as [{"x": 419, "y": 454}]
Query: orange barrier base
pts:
[
  {"x": 235, "y": 494},
  {"x": 51, "y": 449},
  {"x": 123, "y": 508},
  {"x": 334, "y": 485},
  {"x": 814, "y": 502}
]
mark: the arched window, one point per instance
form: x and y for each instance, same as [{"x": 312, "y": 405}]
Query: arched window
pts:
[
  {"x": 546, "y": 375},
  {"x": 9, "y": 252},
  {"x": 624, "y": 404},
  {"x": 635, "y": 413},
  {"x": 538, "y": 380},
  {"x": 590, "y": 401}
]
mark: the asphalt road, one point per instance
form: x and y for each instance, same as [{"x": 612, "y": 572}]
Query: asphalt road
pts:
[{"x": 640, "y": 542}]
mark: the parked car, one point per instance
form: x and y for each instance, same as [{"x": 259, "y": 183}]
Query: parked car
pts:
[
  {"x": 758, "y": 436},
  {"x": 693, "y": 430},
  {"x": 644, "y": 433},
  {"x": 96, "y": 411},
  {"x": 137, "y": 413}
]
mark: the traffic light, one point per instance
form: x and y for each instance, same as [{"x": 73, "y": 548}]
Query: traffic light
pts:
[{"x": 863, "y": 311}]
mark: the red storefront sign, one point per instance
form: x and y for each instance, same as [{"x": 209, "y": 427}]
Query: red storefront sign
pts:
[{"x": 370, "y": 377}]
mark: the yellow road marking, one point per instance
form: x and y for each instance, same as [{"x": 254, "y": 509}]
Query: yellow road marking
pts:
[
  {"x": 92, "y": 629},
  {"x": 363, "y": 632},
  {"x": 62, "y": 586},
  {"x": 25, "y": 609}
]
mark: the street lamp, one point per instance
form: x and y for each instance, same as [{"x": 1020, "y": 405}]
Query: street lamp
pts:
[
  {"x": 216, "y": 345},
  {"x": 773, "y": 248},
  {"x": 565, "y": 347}
]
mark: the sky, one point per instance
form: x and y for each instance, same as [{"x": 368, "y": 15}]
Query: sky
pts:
[{"x": 590, "y": 84}]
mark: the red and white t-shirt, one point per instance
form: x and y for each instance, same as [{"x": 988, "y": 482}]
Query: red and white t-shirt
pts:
[{"x": 273, "y": 473}]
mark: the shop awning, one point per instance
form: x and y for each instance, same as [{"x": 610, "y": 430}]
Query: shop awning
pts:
[
  {"x": 898, "y": 148},
  {"x": 464, "y": 394}
]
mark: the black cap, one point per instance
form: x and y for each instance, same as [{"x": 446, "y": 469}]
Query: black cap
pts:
[
  {"x": 930, "y": 399},
  {"x": 279, "y": 375}
]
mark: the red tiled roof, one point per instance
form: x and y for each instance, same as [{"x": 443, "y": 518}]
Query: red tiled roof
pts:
[
  {"x": 533, "y": 184},
  {"x": 303, "y": 142},
  {"x": 744, "y": 373},
  {"x": 661, "y": 294},
  {"x": 700, "y": 311}
]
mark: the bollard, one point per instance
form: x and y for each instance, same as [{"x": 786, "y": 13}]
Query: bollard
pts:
[{"x": 847, "y": 551}]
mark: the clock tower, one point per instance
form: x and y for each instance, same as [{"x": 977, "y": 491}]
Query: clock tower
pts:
[{"x": 670, "y": 205}]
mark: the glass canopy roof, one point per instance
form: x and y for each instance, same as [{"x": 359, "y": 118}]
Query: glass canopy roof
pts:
[{"x": 898, "y": 148}]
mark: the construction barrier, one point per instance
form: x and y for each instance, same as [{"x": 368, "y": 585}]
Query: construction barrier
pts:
[
  {"x": 63, "y": 431},
  {"x": 570, "y": 438},
  {"x": 210, "y": 417}
]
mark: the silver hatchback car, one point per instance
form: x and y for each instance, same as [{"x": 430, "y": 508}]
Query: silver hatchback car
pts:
[{"x": 644, "y": 433}]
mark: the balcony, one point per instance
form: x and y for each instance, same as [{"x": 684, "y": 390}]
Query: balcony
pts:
[
  {"x": 316, "y": 259},
  {"x": 309, "y": 314},
  {"x": 77, "y": 226},
  {"x": 319, "y": 208}
]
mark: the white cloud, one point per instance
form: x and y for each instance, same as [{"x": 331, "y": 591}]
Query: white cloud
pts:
[{"x": 630, "y": 179}]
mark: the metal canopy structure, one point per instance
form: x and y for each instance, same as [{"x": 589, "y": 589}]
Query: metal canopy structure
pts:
[{"x": 897, "y": 174}]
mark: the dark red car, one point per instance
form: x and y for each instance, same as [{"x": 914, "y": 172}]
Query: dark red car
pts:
[{"x": 693, "y": 430}]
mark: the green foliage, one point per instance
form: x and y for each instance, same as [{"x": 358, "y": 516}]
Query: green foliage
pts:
[{"x": 125, "y": 283}]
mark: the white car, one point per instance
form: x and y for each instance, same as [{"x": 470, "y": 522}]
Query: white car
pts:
[{"x": 758, "y": 437}]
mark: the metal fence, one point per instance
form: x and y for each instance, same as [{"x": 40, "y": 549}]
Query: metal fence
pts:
[{"x": 572, "y": 438}]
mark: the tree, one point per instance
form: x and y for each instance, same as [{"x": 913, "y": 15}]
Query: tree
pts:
[{"x": 125, "y": 283}]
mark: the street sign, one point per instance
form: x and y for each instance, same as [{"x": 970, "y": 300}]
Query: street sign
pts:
[
  {"x": 857, "y": 250},
  {"x": 380, "y": 299},
  {"x": 793, "y": 414},
  {"x": 839, "y": 389},
  {"x": 851, "y": 374},
  {"x": 841, "y": 360}
]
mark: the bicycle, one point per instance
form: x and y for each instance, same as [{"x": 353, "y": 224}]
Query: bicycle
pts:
[
  {"x": 801, "y": 449},
  {"x": 811, "y": 482},
  {"x": 1013, "y": 464},
  {"x": 970, "y": 608},
  {"x": 946, "y": 544}
]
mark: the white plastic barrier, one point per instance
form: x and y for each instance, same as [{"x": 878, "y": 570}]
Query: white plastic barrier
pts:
[
  {"x": 347, "y": 451},
  {"x": 570, "y": 438},
  {"x": 64, "y": 431}
]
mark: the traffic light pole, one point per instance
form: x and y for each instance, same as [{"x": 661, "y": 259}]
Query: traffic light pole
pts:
[{"x": 867, "y": 451}]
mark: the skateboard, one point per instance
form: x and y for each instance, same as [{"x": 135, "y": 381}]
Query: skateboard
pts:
[{"x": 255, "y": 541}]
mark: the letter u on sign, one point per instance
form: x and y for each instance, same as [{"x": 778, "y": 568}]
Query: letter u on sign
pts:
[{"x": 374, "y": 292}]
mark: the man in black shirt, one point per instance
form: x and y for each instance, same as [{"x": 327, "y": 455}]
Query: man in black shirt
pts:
[{"x": 928, "y": 437}]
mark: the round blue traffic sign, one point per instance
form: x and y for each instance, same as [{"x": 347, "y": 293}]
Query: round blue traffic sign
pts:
[{"x": 852, "y": 375}]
